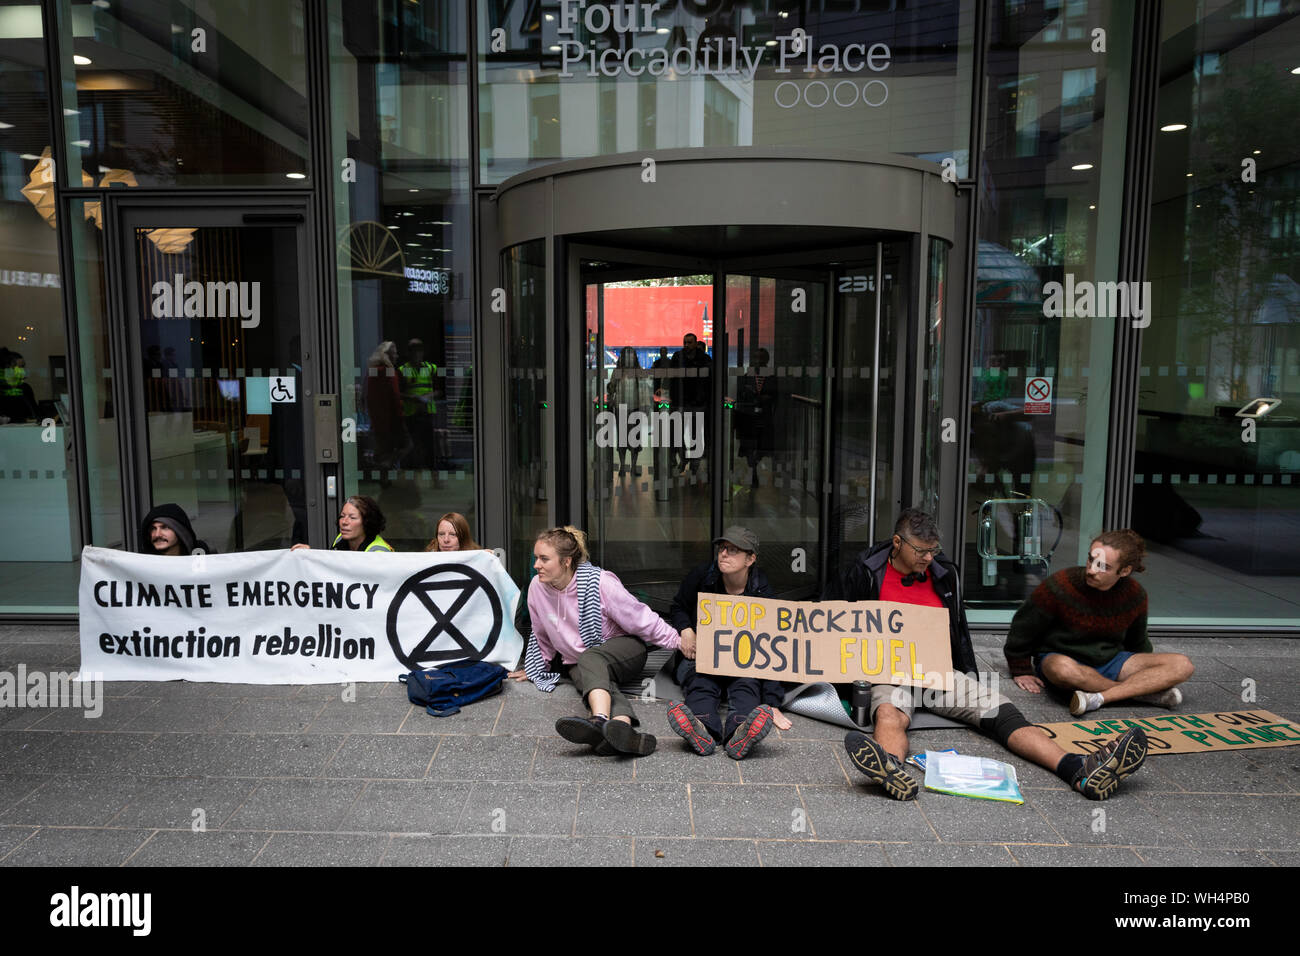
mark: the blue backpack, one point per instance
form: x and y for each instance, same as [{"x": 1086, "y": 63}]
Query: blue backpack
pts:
[{"x": 442, "y": 690}]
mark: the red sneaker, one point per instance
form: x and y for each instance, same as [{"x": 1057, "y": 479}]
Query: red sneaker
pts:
[
  {"x": 754, "y": 728},
  {"x": 687, "y": 726}
]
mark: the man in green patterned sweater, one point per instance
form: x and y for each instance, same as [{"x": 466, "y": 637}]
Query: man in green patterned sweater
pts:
[{"x": 1085, "y": 630}]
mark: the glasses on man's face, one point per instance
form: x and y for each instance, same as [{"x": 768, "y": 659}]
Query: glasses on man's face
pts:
[
  {"x": 729, "y": 548},
  {"x": 924, "y": 552}
]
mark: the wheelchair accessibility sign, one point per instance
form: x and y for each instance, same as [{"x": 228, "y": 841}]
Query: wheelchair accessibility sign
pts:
[{"x": 282, "y": 390}]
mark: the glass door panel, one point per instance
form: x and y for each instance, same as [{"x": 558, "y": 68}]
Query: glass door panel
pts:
[
  {"x": 871, "y": 312},
  {"x": 808, "y": 453},
  {"x": 774, "y": 417},
  {"x": 648, "y": 393},
  {"x": 221, "y": 391}
]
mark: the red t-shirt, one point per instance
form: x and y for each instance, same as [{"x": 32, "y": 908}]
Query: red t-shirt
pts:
[{"x": 921, "y": 592}]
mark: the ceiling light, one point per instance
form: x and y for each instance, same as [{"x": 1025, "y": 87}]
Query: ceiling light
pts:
[
  {"x": 554, "y": 48},
  {"x": 68, "y": 112},
  {"x": 1081, "y": 166},
  {"x": 102, "y": 4},
  {"x": 1189, "y": 175},
  {"x": 662, "y": 30},
  {"x": 6, "y": 125},
  {"x": 295, "y": 175},
  {"x": 83, "y": 143},
  {"x": 80, "y": 60},
  {"x": 1173, "y": 127},
  {"x": 1256, "y": 152}
]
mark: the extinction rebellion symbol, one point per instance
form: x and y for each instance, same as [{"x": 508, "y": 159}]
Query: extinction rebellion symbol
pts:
[{"x": 448, "y": 612}]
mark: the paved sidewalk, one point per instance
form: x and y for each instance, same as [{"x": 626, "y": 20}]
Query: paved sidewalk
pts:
[{"x": 296, "y": 775}]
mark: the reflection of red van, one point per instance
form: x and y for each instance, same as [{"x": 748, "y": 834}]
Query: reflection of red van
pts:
[{"x": 646, "y": 317}]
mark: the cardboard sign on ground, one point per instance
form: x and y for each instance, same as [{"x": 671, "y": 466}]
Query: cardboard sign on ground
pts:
[
  {"x": 1182, "y": 733},
  {"x": 883, "y": 642}
]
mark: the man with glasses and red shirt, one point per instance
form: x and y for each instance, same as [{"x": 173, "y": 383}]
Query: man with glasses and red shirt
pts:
[{"x": 911, "y": 568}]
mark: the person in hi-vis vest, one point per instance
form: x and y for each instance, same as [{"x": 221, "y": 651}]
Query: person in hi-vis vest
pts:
[
  {"x": 419, "y": 406},
  {"x": 360, "y": 522}
]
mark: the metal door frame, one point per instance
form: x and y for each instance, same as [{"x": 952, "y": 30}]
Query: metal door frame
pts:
[
  {"x": 122, "y": 215},
  {"x": 825, "y": 261}
]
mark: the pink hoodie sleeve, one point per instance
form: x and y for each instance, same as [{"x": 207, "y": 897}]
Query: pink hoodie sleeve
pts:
[
  {"x": 630, "y": 616},
  {"x": 537, "y": 614}
]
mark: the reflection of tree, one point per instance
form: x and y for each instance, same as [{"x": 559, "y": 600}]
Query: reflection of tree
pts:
[
  {"x": 670, "y": 280},
  {"x": 1236, "y": 238}
]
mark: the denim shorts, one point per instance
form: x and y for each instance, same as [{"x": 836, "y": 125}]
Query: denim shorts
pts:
[{"x": 1110, "y": 670}]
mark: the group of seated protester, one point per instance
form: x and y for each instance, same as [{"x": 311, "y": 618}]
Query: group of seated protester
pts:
[
  {"x": 1081, "y": 634},
  {"x": 166, "y": 530}
]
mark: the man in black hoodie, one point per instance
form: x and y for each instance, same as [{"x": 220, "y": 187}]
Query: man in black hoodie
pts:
[
  {"x": 753, "y": 703},
  {"x": 911, "y": 568},
  {"x": 166, "y": 530}
]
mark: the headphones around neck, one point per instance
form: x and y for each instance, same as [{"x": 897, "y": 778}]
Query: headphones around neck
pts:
[{"x": 911, "y": 577}]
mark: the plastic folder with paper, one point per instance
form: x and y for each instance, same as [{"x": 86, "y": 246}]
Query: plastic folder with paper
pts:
[{"x": 971, "y": 777}]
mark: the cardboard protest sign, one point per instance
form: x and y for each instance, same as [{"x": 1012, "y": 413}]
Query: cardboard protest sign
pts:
[
  {"x": 292, "y": 617},
  {"x": 883, "y": 642},
  {"x": 1182, "y": 733}
]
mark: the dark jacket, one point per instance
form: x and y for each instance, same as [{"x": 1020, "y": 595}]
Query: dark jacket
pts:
[
  {"x": 174, "y": 517},
  {"x": 707, "y": 578},
  {"x": 684, "y": 611},
  {"x": 861, "y": 582}
]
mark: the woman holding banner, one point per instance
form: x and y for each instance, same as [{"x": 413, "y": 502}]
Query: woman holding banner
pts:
[
  {"x": 586, "y": 626},
  {"x": 360, "y": 522}
]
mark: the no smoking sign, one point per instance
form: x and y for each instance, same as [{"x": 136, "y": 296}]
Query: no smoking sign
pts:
[{"x": 1038, "y": 396}]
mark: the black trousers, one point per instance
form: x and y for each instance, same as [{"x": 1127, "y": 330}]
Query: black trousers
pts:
[{"x": 704, "y": 693}]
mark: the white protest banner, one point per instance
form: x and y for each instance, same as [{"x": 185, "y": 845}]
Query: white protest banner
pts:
[{"x": 292, "y": 617}]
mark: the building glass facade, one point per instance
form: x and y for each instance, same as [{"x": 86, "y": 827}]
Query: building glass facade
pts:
[{"x": 258, "y": 257}]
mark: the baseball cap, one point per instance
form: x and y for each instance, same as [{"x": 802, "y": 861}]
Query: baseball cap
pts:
[{"x": 739, "y": 536}]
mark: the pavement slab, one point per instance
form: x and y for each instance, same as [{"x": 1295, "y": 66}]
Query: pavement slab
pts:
[{"x": 179, "y": 774}]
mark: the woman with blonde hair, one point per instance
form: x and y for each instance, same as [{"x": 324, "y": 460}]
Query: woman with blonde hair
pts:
[{"x": 588, "y": 627}]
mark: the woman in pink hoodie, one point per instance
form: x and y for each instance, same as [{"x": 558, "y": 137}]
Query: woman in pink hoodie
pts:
[{"x": 586, "y": 626}]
